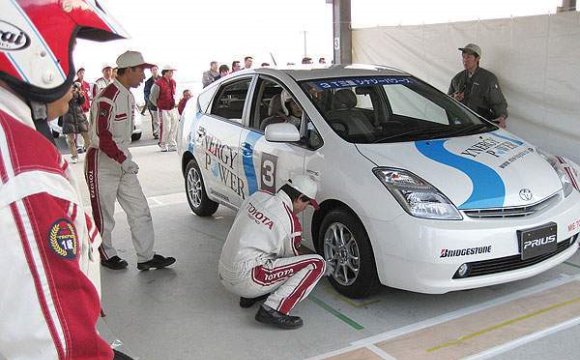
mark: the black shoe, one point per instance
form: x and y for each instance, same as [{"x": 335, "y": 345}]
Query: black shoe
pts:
[
  {"x": 248, "y": 302},
  {"x": 114, "y": 263},
  {"x": 270, "y": 316},
  {"x": 158, "y": 262}
]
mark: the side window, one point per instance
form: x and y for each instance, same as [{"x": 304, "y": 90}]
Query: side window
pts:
[
  {"x": 229, "y": 103},
  {"x": 267, "y": 106},
  {"x": 204, "y": 99}
]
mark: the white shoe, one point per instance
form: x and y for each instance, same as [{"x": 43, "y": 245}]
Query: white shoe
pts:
[
  {"x": 164, "y": 148},
  {"x": 74, "y": 160},
  {"x": 172, "y": 148}
]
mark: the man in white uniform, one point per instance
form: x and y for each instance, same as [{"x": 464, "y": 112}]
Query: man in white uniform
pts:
[
  {"x": 110, "y": 171},
  {"x": 260, "y": 255}
]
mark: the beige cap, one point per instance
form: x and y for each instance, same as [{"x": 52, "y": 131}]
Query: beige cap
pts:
[
  {"x": 130, "y": 59},
  {"x": 471, "y": 48}
]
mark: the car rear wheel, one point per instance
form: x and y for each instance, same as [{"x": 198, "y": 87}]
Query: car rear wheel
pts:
[
  {"x": 346, "y": 246},
  {"x": 197, "y": 198}
]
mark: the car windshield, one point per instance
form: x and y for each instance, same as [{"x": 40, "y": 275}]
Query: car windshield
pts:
[{"x": 384, "y": 109}]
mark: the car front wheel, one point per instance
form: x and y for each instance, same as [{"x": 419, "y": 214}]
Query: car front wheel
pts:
[
  {"x": 346, "y": 246},
  {"x": 197, "y": 198}
]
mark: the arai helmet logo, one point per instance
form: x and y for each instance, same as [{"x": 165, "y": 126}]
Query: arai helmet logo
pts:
[
  {"x": 526, "y": 194},
  {"x": 12, "y": 38}
]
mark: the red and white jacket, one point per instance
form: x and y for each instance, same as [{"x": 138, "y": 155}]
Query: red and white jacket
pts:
[
  {"x": 166, "y": 99},
  {"x": 265, "y": 228},
  {"x": 49, "y": 262},
  {"x": 112, "y": 121}
]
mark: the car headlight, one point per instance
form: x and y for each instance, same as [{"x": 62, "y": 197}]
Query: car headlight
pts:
[
  {"x": 416, "y": 196},
  {"x": 560, "y": 170}
]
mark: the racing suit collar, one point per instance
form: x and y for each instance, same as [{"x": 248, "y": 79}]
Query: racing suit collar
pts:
[
  {"x": 17, "y": 108},
  {"x": 285, "y": 199}
]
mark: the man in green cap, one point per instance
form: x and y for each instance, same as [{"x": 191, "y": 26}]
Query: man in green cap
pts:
[{"x": 478, "y": 88}]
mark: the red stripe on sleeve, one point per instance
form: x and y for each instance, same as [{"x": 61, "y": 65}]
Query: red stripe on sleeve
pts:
[{"x": 104, "y": 118}]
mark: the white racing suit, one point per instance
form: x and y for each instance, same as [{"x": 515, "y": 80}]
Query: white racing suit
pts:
[
  {"x": 260, "y": 255},
  {"x": 110, "y": 132},
  {"x": 50, "y": 282}
]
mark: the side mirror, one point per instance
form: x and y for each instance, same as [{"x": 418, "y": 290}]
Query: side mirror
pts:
[{"x": 282, "y": 132}]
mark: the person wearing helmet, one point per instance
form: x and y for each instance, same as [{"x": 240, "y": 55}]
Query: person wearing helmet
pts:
[
  {"x": 49, "y": 258},
  {"x": 291, "y": 108},
  {"x": 289, "y": 111},
  {"x": 260, "y": 258},
  {"x": 110, "y": 171}
]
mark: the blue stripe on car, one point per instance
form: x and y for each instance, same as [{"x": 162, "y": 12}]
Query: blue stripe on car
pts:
[
  {"x": 488, "y": 187},
  {"x": 515, "y": 141},
  {"x": 248, "y": 152}
]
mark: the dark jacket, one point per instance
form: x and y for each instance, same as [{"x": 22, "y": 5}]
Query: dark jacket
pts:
[
  {"x": 147, "y": 91},
  {"x": 482, "y": 93},
  {"x": 75, "y": 120}
]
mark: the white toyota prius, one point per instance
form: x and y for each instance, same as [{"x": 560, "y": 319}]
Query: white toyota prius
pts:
[{"x": 416, "y": 191}]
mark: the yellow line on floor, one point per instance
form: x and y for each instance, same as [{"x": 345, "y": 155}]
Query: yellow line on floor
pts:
[{"x": 502, "y": 324}]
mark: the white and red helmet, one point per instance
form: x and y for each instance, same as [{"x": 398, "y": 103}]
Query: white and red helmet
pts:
[{"x": 37, "y": 40}]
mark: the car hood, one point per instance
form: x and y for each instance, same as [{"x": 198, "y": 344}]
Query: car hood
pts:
[{"x": 483, "y": 171}]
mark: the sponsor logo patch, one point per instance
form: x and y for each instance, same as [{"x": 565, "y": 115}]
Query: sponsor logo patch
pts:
[
  {"x": 12, "y": 38},
  {"x": 465, "y": 252},
  {"x": 62, "y": 239}
]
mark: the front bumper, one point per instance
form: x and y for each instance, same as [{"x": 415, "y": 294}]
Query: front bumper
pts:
[{"x": 409, "y": 252}]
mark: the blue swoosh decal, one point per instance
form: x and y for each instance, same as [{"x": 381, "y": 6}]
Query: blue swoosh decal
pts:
[
  {"x": 247, "y": 158},
  {"x": 488, "y": 187},
  {"x": 515, "y": 141}
]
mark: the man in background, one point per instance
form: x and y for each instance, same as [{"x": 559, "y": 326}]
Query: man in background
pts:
[
  {"x": 148, "y": 104},
  {"x": 103, "y": 81},
  {"x": 163, "y": 96},
  {"x": 478, "y": 88}
]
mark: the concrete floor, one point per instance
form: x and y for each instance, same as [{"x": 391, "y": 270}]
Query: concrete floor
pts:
[{"x": 185, "y": 313}]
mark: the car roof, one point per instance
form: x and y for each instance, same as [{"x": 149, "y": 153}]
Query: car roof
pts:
[{"x": 335, "y": 71}]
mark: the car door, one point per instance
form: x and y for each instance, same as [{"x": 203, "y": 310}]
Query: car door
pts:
[
  {"x": 268, "y": 165},
  {"x": 217, "y": 148}
]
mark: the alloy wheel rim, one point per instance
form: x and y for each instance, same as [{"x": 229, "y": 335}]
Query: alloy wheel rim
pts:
[
  {"x": 194, "y": 187},
  {"x": 342, "y": 252}
]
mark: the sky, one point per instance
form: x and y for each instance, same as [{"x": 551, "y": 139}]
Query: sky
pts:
[{"x": 188, "y": 34}]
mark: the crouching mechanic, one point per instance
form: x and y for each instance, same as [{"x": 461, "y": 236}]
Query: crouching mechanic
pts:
[
  {"x": 260, "y": 256},
  {"x": 49, "y": 263},
  {"x": 110, "y": 171}
]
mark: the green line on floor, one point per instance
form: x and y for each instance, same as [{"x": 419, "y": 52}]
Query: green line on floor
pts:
[
  {"x": 336, "y": 313},
  {"x": 571, "y": 264}
]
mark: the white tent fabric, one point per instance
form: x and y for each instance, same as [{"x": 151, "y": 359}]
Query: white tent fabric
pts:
[{"x": 536, "y": 59}]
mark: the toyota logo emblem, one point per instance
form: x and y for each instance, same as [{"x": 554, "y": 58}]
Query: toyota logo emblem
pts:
[{"x": 526, "y": 194}]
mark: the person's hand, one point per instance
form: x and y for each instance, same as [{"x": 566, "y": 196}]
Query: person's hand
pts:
[
  {"x": 130, "y": 167},
  {"x": 459, "y": 96},
  {"x": 329, "y": 267},
  {"x": 500, "y": 121}
]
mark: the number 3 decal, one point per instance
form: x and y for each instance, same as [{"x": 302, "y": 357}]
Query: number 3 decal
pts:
[{"x": 268, "y": 173}]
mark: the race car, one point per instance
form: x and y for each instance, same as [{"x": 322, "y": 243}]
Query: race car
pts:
[{"x": 416, "y": 191}]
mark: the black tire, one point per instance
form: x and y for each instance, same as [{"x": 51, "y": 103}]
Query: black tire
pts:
[
  {"x": 135, "y": 137},
  {"x": 343, "y": 238},
  {"x": 197, "y": 198}
]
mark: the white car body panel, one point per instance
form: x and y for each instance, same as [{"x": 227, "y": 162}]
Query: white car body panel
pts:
[{"x": 408, "y": 250}]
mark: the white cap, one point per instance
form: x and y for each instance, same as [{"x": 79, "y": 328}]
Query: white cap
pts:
[
  {"x": 130, "y": 59},
  {"x": 106, "y": 65},
  {"x": 306, "y": 186},
  {"x": 168, "y": 67}
]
